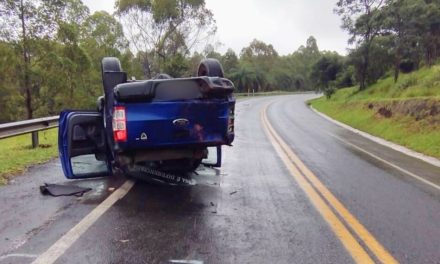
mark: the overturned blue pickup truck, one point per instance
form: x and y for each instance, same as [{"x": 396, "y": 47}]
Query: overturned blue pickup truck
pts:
[{"x": 166, "y": 124}]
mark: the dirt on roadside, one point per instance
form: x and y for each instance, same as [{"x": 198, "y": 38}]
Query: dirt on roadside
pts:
[{"x": 426, "y": 110}]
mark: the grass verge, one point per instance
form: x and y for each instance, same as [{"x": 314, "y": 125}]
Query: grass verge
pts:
[
  {"x": 411, "y": 107},
  {"x": 16, "y": 153}
]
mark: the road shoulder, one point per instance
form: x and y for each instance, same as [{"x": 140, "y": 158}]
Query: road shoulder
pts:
[{"x": 428, "y": 159}]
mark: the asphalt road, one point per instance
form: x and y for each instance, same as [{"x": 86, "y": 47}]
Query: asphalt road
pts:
[{"x": 294, "y": 188}]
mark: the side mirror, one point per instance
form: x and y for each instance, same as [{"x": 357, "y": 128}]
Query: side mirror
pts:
[{"x": 214, "y": 158}]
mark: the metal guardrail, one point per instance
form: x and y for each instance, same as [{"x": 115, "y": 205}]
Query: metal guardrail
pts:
[{"x": 28, "y": 126}]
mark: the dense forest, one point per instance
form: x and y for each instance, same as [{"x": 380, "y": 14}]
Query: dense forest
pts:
[{"x": 50, "y": 51}]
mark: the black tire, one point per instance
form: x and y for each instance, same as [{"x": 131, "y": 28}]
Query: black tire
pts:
[
  {"x": 100, "y": 104},
  {"x": 110, "y": 64},
  {"x": 162, "y": 76},
  {"x": 210, "y": 68},
  {"x": 112, "y": 75}
]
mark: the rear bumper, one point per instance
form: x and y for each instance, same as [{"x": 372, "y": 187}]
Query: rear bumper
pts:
[{"x": 137, "y": 156}]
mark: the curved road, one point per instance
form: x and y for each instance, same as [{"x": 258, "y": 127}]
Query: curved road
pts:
[{"x": 294, "y": 188}]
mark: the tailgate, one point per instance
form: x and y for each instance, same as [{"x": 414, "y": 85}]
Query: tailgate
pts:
[{"x": 178, "y": 123}]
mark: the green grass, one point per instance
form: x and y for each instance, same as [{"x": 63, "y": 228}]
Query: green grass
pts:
[
  {"x": 16, "y": 153},
  {"x": 424, "y": 83},
  {"x": 350, "y": 106}
]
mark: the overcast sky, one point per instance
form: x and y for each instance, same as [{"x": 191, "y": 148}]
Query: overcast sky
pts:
[{"x": 286, "y": 24}]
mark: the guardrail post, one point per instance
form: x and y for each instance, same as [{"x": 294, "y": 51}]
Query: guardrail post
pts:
[{"x": 35, "y": 142}]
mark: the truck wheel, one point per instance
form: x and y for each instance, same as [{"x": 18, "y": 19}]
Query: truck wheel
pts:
[
  {"x": 110, "y": 64},
  {"x": 100, "y": 103},
  {"x": 210, "y": 68},
  {"x": 112, "y": 75}
]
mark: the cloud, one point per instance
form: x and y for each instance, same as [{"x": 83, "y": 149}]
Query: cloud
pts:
[{"x": 285, "y": 24}]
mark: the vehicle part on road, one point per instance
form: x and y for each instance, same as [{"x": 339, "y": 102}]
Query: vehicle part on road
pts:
[{"x": 63, "y": 190}]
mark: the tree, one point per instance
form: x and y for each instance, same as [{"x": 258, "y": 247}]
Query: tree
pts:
[
  {"x": 64, "y": 66},
  {"x": 260, "y": 51},
  {"x": 20, "y": 26},
  {"x": 427, "y": 16},
  {"x": 105, "y": 33},
  {"x": 11, "y": 100},
  {"x": 261, "y": 57},
  {"x": 229, "y": 61},
  {"x": 102, "y": 35},
  {"x": 283, "y": 77},
  {"x": 361, "y": 18},
  {"x": 325, "y": 71},
  {"x": 403, "y": 22},
  {"x": 300, "y": 64},
  {"x": 32, "y": 27},
  {"x": 210, "y": 52},
  {"x": 163, "y": 29},
  {"x": 176, "y": 66},
  {"x": 244, "y": 76}
]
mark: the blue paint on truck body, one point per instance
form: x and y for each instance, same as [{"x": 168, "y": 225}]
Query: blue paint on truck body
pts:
[{"x": 150, "y": 125}]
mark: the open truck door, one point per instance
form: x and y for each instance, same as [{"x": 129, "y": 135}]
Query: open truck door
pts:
[{"x": 82, "y": 145}]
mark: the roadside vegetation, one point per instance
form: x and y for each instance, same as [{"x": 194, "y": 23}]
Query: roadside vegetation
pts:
[
  {"x": 406, "y": 112},
  {"x": 50, "y": 59},
  {"x": 394, "y": 69},
  {"x": 16, "y": 153}
]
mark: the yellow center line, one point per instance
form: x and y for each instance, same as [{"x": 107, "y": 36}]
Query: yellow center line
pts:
[{"x": 301, "y": 174}]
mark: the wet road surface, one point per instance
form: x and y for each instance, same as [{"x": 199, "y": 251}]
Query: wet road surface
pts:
[{"x": 252, "y": 210}]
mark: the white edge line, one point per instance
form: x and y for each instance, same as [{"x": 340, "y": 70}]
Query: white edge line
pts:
[
  {"x": 58, "y": 249},
  {"x": 183, "y": 261},
  {"x": 388, "y": 163},
  {"x": 428, "y": 159},
  {"x": 17, "y": 255}
]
